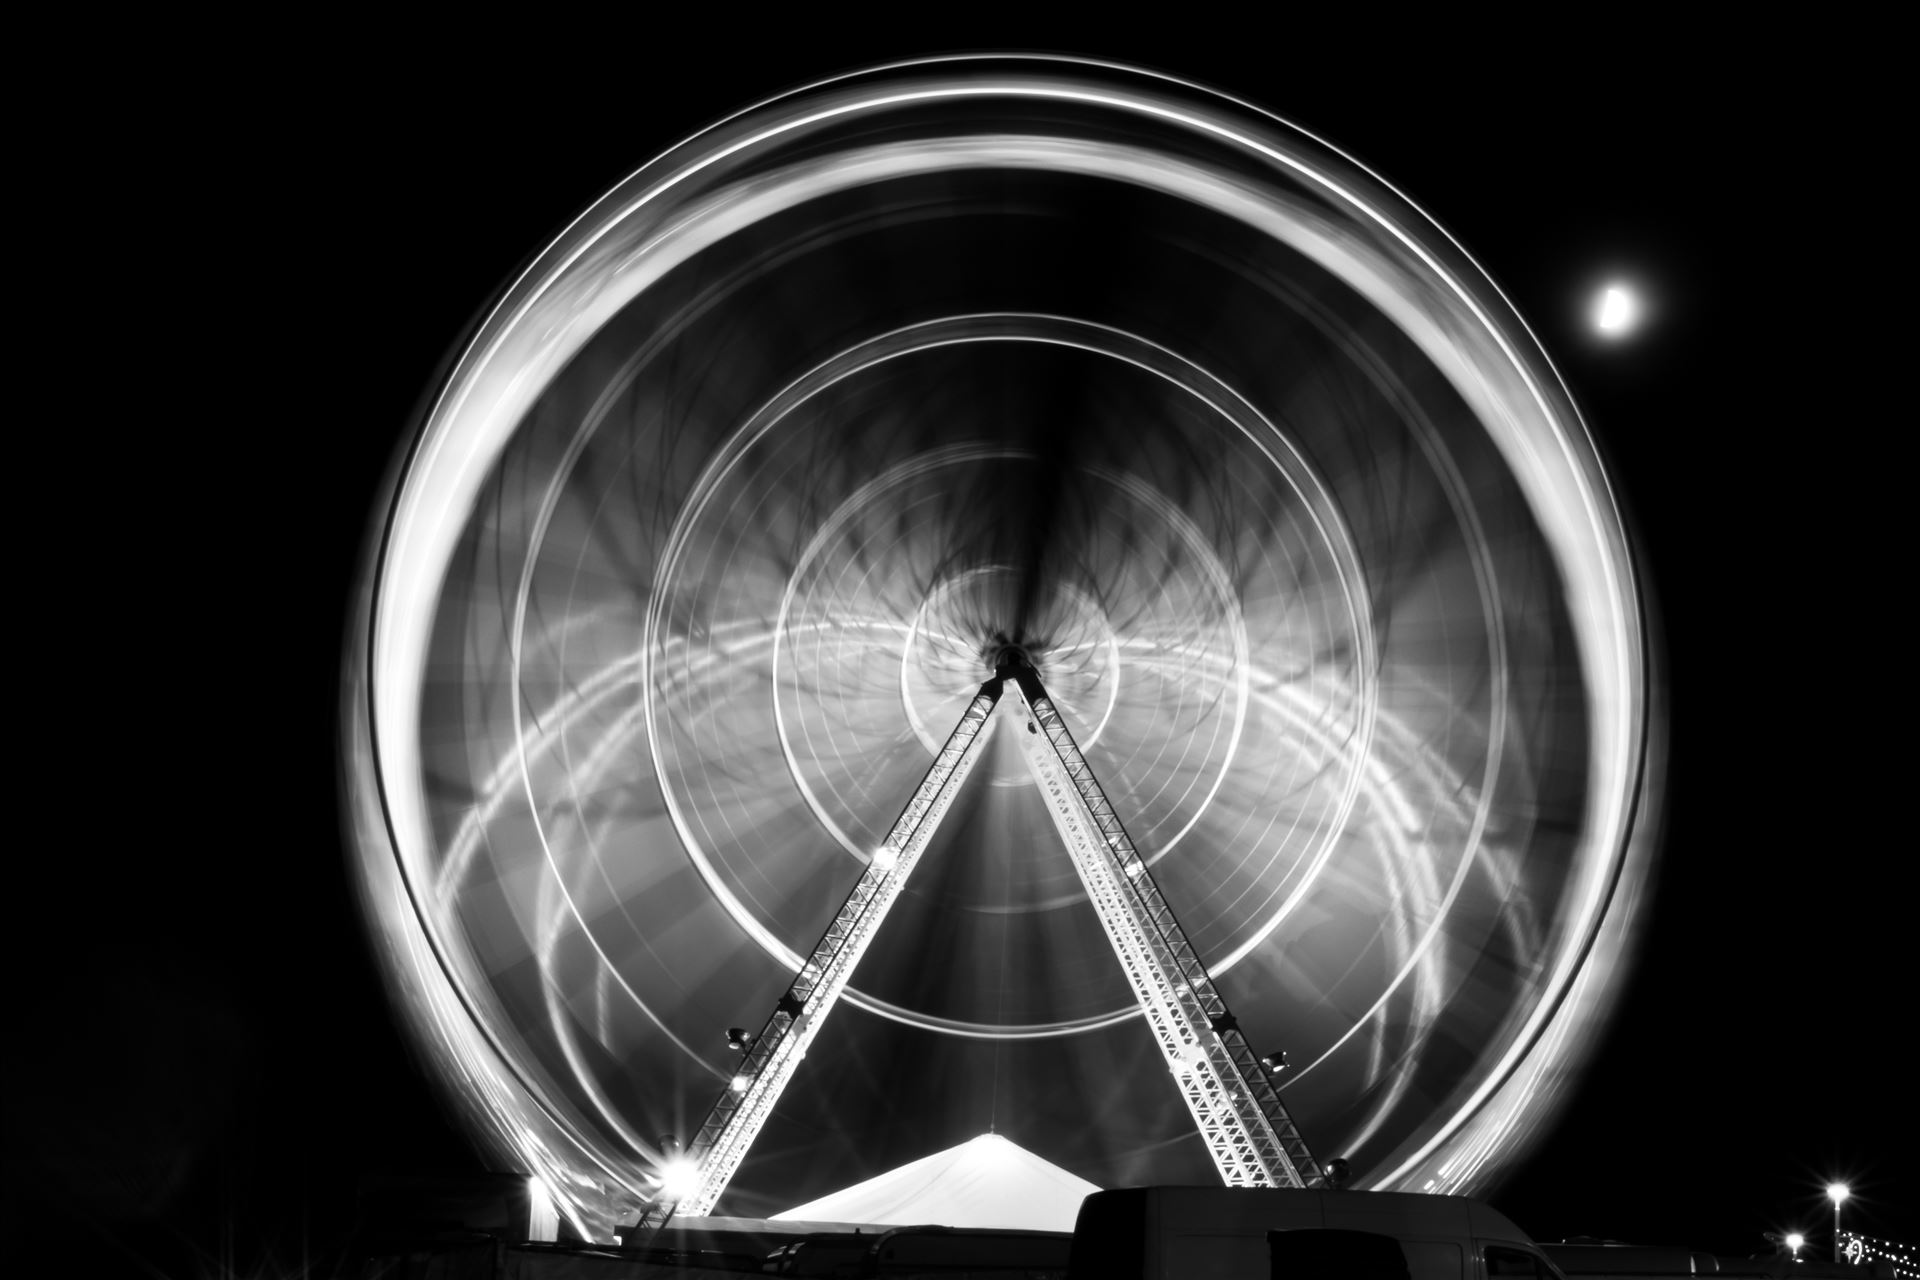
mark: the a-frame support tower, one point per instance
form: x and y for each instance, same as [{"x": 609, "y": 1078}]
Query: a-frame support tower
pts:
[{"x": 1253, "y": 1141}]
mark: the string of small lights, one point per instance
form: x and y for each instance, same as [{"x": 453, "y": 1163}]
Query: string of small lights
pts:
[{"x": 1859, "y": 1249}]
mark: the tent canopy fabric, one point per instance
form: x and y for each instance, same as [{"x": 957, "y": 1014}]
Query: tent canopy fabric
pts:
[{"x": 988, "y": 1182}]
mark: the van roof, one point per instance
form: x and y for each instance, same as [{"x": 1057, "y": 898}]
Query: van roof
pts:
[{"x": 1270, "y": 1208}]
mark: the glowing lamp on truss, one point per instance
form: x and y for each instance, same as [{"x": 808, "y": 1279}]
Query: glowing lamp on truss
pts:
[{"x": 678, "y": 1177}]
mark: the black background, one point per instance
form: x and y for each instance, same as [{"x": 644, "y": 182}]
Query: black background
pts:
[{"x": 254, "y": 265}]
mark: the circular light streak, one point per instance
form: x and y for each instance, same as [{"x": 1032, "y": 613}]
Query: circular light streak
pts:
[{"x": 713, "y": 526}]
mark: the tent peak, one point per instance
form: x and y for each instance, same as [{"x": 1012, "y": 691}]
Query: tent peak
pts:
[{"x": 986, "y": 1181}]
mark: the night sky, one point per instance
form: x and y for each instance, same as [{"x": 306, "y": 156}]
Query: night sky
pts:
[{"x": 279, "y": 254}]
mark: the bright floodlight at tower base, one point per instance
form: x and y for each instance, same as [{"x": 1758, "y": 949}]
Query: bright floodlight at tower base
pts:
[{"x": 717, "y": 526}]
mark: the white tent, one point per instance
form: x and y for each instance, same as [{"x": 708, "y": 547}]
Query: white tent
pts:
[{"x": 988, "y": 1182}]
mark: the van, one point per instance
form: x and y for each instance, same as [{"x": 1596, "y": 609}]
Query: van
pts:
[{"x": 1223, "y": 1233}]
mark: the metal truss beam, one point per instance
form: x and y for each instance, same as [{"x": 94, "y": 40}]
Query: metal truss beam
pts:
[
  {"x": 771, "y": 1057},
  {"x": 1252, "y": 1139}
]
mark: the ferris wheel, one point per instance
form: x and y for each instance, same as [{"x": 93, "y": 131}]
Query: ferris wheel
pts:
[{"x": 999, "y": 593}]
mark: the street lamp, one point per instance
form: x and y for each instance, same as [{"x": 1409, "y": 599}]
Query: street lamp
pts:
[
  {"x": 1837, "y": 1192},
  {"x": 1795, "y": 1241}
]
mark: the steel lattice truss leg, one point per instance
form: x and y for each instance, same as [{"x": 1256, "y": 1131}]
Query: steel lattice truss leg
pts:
[
  {"x": 1252, "y": 1140},
  {"x": 771, "y": 1058}
]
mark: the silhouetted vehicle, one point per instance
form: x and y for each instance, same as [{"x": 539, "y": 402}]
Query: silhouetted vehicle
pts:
[{"x": 1220, "y": 1233}]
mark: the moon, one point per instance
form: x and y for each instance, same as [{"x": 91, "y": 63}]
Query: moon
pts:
[{"x": 1617, "y": 313}]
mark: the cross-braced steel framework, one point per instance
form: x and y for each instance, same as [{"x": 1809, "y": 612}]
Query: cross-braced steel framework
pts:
[{"x": 1253, "y": 1141}]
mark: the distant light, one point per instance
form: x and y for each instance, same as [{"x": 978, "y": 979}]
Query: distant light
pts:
[
  {"x": 679, "y": 1178},
  {"x": 1837, "y": 1191},
  {"x": 1617, "y": 312},
  {"x": 742, "y": 1083}
]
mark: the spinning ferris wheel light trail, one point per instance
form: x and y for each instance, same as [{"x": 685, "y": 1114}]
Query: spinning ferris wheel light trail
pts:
[
  {"x": 720, "y": 521},
  {"x": 1246, "y": 1128}
]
